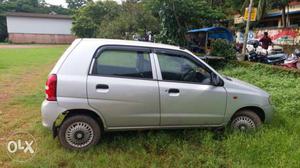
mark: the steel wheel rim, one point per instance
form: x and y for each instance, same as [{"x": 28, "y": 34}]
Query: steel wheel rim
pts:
[
  {"x": 79, "y": 134},
  {"x": 243, "y": 123}
]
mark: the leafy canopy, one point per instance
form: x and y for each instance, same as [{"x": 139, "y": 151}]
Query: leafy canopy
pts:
[
  {"x": 133, "y": 18},
  {"x": 76, "y": 4},
  {"x": 108, "y": 19},
  {"x": 178, "y": 16},
  {"x": 87, "y": 20}
]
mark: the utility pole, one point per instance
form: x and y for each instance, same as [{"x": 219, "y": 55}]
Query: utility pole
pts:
[{"x": 246, "y": 31}]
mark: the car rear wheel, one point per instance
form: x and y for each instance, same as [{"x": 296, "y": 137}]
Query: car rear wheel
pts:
[
  {"x": 245, "y": 120},
  {"x": 79, "y": 132}
]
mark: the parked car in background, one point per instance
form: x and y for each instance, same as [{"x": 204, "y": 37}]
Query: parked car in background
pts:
[{"x": 103, "y": 85}]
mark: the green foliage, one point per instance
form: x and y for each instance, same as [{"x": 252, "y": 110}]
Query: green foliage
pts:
[
  {"x": 108, "y": 19},
  {"x": 261, "y": 9},
  {"x": 231, "y": 7},
  {"x": 222, "y": 48},
  {"x": 87, "y": 20},
  {"x": 169, "y": 20},
  {"x": 76, "y": 4},
  {"x": 3, "y": 28},
  {"x": 178, "y": 16},
  {"x": 32, "y": 6},
  {"x": 132, "y": 19}
]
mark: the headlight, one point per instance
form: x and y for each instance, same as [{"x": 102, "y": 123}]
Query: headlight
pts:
[{"x": 270, "y": 100}]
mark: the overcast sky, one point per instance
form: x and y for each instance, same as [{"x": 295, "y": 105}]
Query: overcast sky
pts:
[{"x": 63, "y": 2}]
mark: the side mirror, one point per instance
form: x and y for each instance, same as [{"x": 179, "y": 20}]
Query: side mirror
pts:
[{"x": 216, "y": 80}]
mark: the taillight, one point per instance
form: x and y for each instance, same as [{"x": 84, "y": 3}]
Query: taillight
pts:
[{"x": 50, "y": 88}]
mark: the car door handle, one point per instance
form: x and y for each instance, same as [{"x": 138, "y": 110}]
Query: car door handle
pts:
[
  {"x": 102, "y": 86},
  {"x": 172, "y": 90}
]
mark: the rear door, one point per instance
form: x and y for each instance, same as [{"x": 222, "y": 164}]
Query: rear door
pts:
[
  {"x": 186, "y": 93},
  {"x": 122, "y": 87}
]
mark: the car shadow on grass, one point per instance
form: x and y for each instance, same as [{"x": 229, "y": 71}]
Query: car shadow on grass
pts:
[{"x": 159, "y": 139}]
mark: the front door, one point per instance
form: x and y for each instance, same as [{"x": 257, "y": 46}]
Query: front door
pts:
[
  {"x": 122, "y": 89},
  {"x": 186, "y": 93}
]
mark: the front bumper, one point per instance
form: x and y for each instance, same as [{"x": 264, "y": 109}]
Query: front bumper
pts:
[
  {"x": 269, "y": 112},
  {"x": 50, "y": 112}
]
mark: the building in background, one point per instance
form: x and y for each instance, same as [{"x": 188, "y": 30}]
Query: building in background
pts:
[
  {"x": 273, "y": 18},
  {"x": 272, "y": 23},
  {"x": 39, "y": 28}
]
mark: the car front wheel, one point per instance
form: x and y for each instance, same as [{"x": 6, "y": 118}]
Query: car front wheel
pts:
[
  {"x": 79, "y": 132},
  {"x": 245, "y": 120}
]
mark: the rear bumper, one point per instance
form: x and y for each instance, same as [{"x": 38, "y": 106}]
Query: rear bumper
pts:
[{"x": 50, "y": 112}]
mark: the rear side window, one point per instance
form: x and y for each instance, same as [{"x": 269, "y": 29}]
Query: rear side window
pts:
[{"x": 134, "y": 64}]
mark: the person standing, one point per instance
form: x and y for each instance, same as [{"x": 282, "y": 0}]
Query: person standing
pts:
[{"x": 266, "y": 41}]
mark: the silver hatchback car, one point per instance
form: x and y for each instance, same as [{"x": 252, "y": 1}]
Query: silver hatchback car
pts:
[{"x": 105, "y": 85}]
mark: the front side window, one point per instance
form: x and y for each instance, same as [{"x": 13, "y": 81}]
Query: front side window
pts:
[
  {"x": 123, "y": 64},
  {"x": 180, "y": 68}
]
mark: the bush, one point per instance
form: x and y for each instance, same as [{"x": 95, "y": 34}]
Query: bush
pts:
[
  {"x": 223, "y": 48},
  {"x": 3, "y": 30}
]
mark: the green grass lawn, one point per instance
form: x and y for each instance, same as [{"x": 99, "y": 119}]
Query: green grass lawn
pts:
[{"x": 275, "y": 145}]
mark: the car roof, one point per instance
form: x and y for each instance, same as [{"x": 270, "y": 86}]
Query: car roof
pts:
[{"x": 101, "y": 42}]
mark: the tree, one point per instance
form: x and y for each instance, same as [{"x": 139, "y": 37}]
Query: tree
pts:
[
  {"x": 107, "y": 19},
  {"x": 230, "y": 7},
  {"x": 261, "y": 9},
  {"x": 177, "y": 16},
  {"x": 3, "y": 30},
  {"x": 32, "y": 6},
  {"x": 264, "y": 5},
  {"x": 76, "y": 4},
  {"x": 132, "y": 19},
  {"x": 87, "y": 20},
  {"x": 282, "y": 5}
]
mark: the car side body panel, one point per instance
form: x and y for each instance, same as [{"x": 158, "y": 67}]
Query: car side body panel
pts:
[
  {"x": 242, "y": 94},
  {"x": 195, "y": 104},
  {"x": 73, "y": 90},
  {"x": 127, "y": 102}
]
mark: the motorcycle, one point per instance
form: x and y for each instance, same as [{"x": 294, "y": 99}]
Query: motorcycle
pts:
[
  {"x": 257, "y": 54},
  {"x": 293, "y": 61}
]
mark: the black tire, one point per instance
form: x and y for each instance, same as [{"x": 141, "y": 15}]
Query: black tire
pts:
[
  {"x": 79, "y": 132},
  {"x": 245, "y": 120}
]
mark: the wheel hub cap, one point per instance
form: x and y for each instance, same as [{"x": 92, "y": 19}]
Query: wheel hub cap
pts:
[
  {"x": 243, "y": 123},
  {"x": 79, "y": 134}
]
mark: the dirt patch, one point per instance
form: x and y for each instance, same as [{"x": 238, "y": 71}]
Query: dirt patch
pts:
[
  {"x": 12, "y": 110},
  {"x": 16, "y": 111},
  {"x": 17, "y": 87},
  {"x": 28, "y": 46}
]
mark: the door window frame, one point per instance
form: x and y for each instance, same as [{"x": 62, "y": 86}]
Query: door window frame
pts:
[
  {"x": 103, "y": 48},
  {"x": 180, "y": 54}
]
